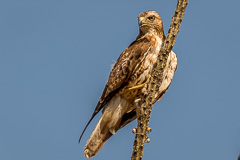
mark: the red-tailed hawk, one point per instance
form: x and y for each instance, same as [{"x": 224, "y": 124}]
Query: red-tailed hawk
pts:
[{"x": 131, "y": 71}]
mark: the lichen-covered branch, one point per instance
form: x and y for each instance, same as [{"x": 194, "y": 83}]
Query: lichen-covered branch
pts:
[{"x": 144, "y": 106}]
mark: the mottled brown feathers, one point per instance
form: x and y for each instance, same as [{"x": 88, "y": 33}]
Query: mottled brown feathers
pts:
[
  {"x": 123, "y": 68},
  {"x": 132, "y": 69}
]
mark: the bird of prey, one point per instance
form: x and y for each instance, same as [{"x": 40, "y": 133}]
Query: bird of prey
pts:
[{"x": 126, "y": 80}]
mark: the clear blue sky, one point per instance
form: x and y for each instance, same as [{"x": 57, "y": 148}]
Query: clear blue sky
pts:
[{"x": 55, "y": 58}]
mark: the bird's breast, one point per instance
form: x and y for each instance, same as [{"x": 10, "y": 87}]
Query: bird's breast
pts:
[
  {"x": 143, "y": 68},
  {"x": 148, "y": 61}
]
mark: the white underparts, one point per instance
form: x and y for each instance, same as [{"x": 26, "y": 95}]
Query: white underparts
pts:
[{"x": 168, "y": 72}]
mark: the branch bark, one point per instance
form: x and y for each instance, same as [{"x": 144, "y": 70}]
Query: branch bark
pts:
[{"x": 144, "y": 106}]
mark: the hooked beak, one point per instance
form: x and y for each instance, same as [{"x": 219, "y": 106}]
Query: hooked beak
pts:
[{"x": 141, "y": 21}]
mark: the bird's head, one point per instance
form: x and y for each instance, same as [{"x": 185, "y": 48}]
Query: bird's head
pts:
[{"x": 150, "y": 21}]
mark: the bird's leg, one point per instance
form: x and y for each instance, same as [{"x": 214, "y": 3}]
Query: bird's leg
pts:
[
  {"x": 137, "y": 86},
  {"x": 140, "y": 85}
]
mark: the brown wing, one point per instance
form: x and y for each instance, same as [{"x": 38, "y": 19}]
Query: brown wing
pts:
[{"x": 121, "y": 72}]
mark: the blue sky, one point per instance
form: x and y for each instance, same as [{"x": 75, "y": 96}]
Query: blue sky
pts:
[{"x": 55, "y": 58}]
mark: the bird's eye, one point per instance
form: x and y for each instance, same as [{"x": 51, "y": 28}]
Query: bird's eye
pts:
[{"x": 151, "y": 18}]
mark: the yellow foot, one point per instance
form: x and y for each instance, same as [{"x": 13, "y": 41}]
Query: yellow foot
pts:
[
  {"x": 140, "y": 85},
  {"x": 136, "y": 87}
]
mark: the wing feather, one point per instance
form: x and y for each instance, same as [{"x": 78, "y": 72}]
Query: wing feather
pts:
[
  {"x": 123, "y": 69},
  {"x": 121, "y": 72}
]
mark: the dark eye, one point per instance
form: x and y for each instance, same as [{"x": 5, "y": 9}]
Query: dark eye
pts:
[{"x": 151, "y": 18}]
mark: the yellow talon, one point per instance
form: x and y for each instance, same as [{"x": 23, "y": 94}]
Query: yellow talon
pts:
[
  {"x": 136, "y": 87},
  {"x": 140, "y": 85}
]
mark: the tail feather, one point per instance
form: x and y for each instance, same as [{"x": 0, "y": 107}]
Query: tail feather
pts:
[
  {"x": 97, "y": 139},
  {"x": 110, "y": 122}
]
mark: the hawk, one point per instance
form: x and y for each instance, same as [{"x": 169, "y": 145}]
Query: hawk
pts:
[{"x": 126, "y": 80}]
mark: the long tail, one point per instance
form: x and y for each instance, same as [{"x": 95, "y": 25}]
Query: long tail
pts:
[
  {"x": 97, "y": 139},
  {"x": 112, "y": 119}
]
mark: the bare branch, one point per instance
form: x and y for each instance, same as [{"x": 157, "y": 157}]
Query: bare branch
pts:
[{"x": 144, "y": 106}]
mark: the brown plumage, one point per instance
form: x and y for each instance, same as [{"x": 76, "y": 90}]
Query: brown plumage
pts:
[{"x": 123, "y": 87}]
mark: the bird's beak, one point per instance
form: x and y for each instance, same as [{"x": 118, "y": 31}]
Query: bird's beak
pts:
[{"x": 141, "y": 21}]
